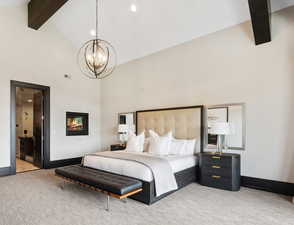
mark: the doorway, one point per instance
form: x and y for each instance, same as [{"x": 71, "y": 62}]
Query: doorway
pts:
[{"x": 30, "y": 111}]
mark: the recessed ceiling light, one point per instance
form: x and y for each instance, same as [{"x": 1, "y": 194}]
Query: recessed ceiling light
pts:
[
  {"x": 93, "y": 32},
  {"x": 133, "y": 8}
]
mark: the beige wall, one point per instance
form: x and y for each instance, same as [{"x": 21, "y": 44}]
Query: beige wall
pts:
[
  {"x": 224, "y": 67},
  {"x": 43, "y": 57}
]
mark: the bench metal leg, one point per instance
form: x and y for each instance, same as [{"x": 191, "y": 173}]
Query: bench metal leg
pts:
[{"x": 107, "y": 206}]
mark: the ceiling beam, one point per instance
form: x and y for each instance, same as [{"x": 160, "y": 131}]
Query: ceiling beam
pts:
[
  {"x": 40, "y": 11},
  {"x": 260, "y": 11}
]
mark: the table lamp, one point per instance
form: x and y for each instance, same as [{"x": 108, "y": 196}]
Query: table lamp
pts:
[
  {"x": 221, "y": 129},
  {"x": 123, "y": 130}
]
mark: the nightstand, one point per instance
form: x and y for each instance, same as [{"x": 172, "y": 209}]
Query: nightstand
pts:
[
  {"x": 220, "y": 171},
  {"x": 117, "y": 147}
]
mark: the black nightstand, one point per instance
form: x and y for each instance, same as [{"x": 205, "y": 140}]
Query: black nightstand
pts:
[
  {"x": 117, "y": 147},
  {"x": 220, "y": 171}
]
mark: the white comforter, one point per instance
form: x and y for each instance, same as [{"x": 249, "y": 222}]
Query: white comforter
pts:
[{"x": 134, "y": 169}]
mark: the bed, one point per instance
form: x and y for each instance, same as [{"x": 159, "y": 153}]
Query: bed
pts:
[{"x": 185, "y": 123}]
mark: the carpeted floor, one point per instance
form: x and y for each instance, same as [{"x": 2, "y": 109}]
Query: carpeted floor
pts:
[{"x": 35, "y": 198}]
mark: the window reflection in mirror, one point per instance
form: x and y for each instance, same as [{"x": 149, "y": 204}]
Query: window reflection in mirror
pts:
[
  {"x": 126, "y": 124},
  {"x": 234, "y": 114}
]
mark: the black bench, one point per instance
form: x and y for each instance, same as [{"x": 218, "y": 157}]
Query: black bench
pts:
[{"x": 113, "y": 185}]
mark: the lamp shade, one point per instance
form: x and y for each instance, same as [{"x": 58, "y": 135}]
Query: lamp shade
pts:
[
  {"x": 220, "y": 128},
  {"x": 123, "y": 128}
]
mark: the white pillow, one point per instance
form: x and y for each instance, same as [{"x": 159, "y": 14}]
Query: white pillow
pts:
[
  {"x": 135, "y": 143},
  {"x": 190, "y": 147},
  {"x": 146, "y": 144},
  {"x": 159, "y": 145},
  {"x": 182, "y": 147},
  {"x": 177, "y": 146}
]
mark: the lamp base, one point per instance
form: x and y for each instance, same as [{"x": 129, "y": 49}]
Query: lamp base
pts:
[{"x": 219, "y": 150}]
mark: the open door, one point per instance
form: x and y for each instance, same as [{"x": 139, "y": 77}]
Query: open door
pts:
[{"x": 38, "y": 129}]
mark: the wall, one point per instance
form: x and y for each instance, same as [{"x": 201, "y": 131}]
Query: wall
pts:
[
  {"x": 224, "y": 67},
  {"x": 43, "y": 57}
]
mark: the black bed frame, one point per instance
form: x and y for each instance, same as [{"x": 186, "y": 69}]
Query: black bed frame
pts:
[{"x": 183, "y": 177}]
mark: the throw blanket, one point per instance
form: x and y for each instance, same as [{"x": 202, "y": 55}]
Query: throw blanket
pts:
[{"x": 163, "y": 175}]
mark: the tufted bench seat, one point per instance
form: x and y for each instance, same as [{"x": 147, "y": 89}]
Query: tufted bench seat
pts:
[{"x": 113, "y": 185}]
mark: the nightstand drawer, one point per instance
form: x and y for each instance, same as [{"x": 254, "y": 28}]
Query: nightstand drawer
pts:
[
  {"x": 217, "y": 182},
  {"x": 206, "y": 165},
  {"x": 220, "y": 171},
  {"x": 216, "y": 159},
  {"x": 216, "y": 170}
]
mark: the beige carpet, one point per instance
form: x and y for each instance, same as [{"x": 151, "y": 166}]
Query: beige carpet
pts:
[{"x": 35, "y": 198}]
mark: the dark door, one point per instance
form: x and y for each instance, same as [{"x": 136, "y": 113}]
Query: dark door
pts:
[{"x": 38, "y": 129}]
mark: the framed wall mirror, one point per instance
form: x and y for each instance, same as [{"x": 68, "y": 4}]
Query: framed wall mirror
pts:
[
  {"x": 126, "y": 124},
  {"x": 234, "y": 114}
]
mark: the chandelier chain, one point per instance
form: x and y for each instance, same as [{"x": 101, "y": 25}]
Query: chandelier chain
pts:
[
  {"x": 97, "y": 11},
  {"x": 97, "y": 57}
]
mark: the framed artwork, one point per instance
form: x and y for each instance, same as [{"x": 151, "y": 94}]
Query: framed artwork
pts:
[{"x": 77, "y": 124}]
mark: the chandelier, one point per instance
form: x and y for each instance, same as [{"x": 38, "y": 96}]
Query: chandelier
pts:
[{"x": 97, "y": 58}]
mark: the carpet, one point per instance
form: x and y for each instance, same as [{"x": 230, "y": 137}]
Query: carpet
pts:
[{"x": 35, "y": 198}]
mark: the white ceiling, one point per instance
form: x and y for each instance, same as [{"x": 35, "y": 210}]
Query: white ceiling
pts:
[
  {"x": 157, "y": 24},
  {"x": 13, "y": 2}
]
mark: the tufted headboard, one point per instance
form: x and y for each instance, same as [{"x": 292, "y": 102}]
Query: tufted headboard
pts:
[{"x": 184, "y": 122}]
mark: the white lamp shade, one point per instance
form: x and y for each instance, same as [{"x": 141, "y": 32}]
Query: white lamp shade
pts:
[
  {"x": 220, "y": 128},
  {"x": 123, "y": 128}
]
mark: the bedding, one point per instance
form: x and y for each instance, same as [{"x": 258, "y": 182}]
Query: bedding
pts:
[
  {"x": 159, "y": 145},
  {"x": 160, "y": 168},
  {"x": 190, "y": 147},
  {"x": 135, "y": 143},
  {"x": 134, "y": 169},
  {"x": 177, "y": 146},
  {"x": 182, "y": 147}
]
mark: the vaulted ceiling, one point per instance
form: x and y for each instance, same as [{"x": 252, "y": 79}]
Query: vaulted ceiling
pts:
[{"x": 156, "y": 25}]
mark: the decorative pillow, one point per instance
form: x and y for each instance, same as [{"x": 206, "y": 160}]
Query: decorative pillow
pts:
[
  {"x": 177, "y": 146},
  {"x": 135, "y": 143},
  {"x": 159, "y": 145}
]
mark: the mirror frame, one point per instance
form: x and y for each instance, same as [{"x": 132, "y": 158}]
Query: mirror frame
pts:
[
  {"x": 134, "y": 117},
  {"x": 243, "y": 148}
]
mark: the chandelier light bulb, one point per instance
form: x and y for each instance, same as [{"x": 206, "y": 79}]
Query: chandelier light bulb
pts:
[
  {"x": 96, "y": 57},
  {"x": 93, "y": 32}
]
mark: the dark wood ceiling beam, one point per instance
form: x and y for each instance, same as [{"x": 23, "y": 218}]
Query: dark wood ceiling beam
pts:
[
  {"x": 40, "y": 11},
  {"x": 260, "y": 11}
]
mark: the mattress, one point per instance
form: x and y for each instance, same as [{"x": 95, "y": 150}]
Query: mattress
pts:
[{"x": 134, "y": 169}]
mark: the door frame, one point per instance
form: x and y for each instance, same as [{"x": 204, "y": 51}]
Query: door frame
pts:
[{"x": 46, "y": 104}]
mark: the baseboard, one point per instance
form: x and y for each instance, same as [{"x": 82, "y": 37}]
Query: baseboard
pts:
[
  {"x": 6, "y": 171},
  {"x": 278, "y": 187},
  {"x": 63, "y": 162}
]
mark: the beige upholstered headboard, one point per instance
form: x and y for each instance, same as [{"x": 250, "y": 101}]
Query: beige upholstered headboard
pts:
[{"x": 185, "y": 122}]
